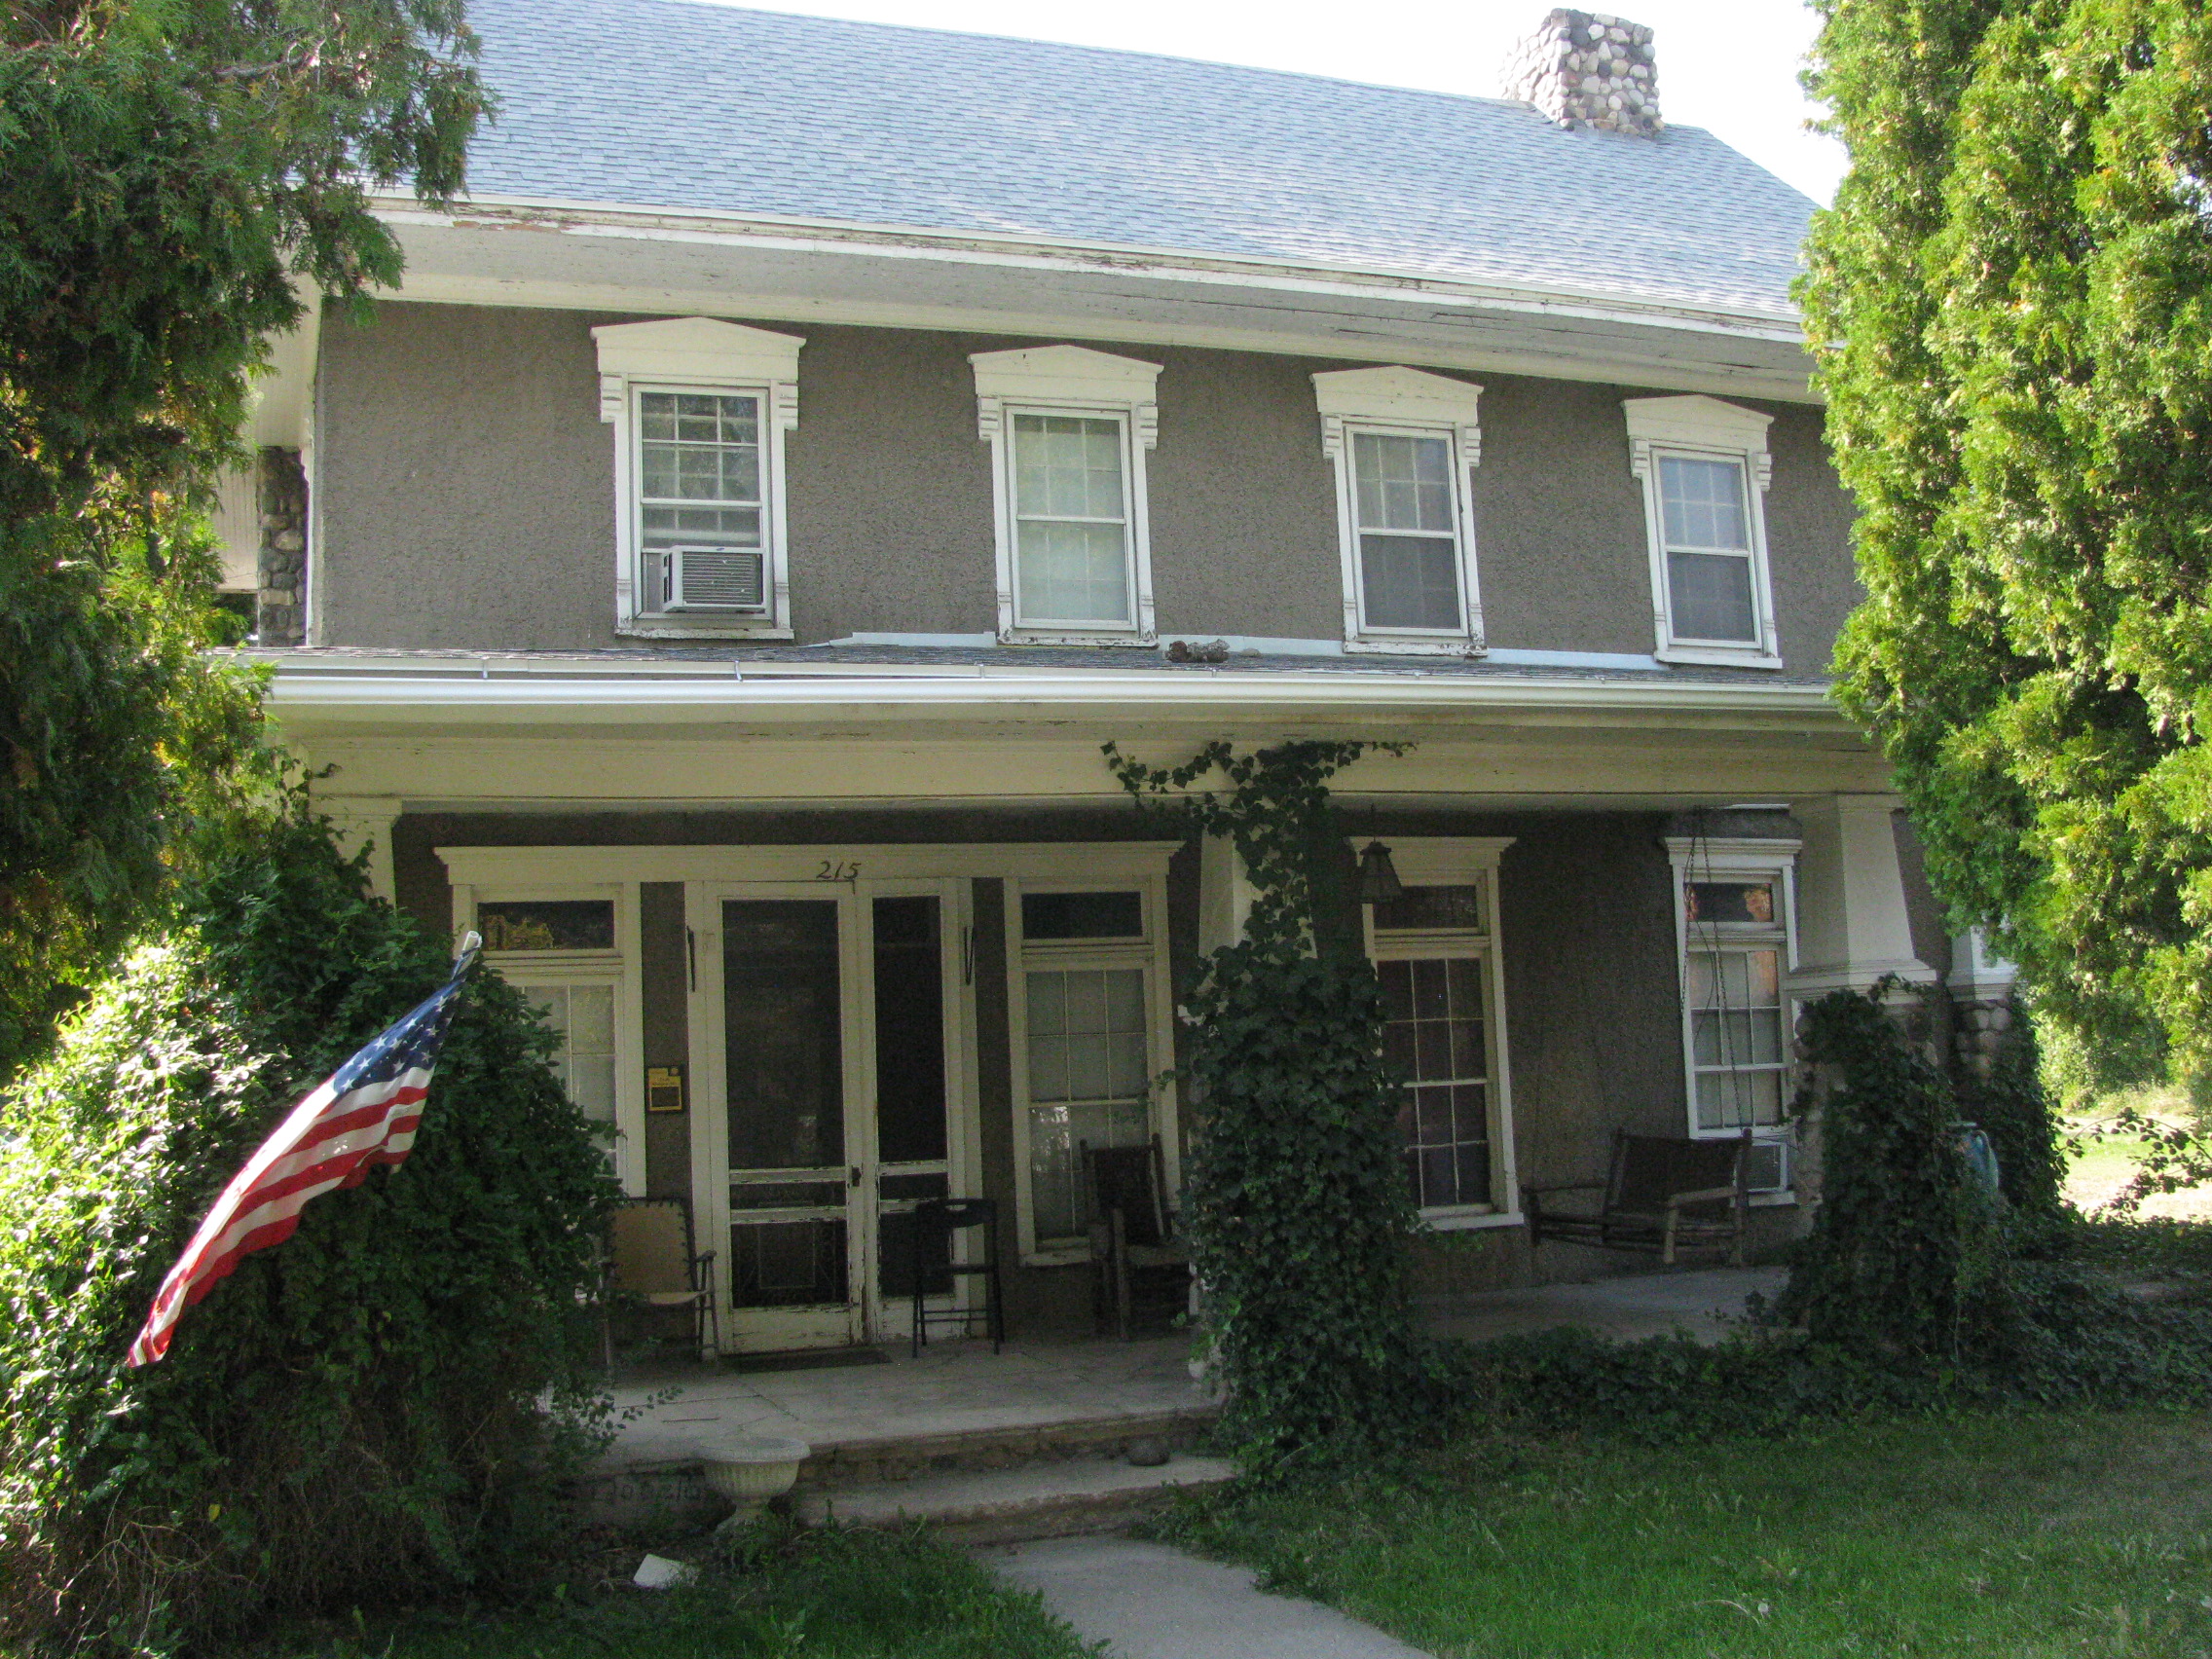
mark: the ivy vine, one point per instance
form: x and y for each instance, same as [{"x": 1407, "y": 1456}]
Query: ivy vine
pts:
[{"x": 1295, "y": 1200}]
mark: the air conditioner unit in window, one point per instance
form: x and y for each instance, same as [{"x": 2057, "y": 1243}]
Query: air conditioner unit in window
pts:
[
  {"x": 715, "y": 578},
  {"x": 1768, "y": 1170}
]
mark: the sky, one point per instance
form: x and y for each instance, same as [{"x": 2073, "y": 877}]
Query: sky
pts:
[{"x": 1727, "y": 65}]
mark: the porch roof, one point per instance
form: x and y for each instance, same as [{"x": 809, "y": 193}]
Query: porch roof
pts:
[{"x": 783, "y": 686}]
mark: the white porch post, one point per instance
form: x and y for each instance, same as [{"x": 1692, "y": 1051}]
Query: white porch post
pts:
[
  {"x": 369, "y": 819},
  {"x": 1225, "y": 894},
  {"x": 1852, "y": 928}
]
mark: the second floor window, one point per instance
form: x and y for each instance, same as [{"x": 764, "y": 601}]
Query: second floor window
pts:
[
  {"x": 1407, "y": 512},
  {"x": 700, "y": 506},
  {"x": 1069, "y": 428},
  {"x": 1702, "y": 465},
  {"x": 701, "y": 412},
  {"x": 1401, "y": 441},
  {"x": 1070, "y": 510}
]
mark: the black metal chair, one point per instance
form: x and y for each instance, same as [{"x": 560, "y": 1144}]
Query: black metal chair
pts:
[
  {"x": 651, "y": 1263},
  {"x": 936, "y": 1221},
  {"x": 1137, "y": 1256}
]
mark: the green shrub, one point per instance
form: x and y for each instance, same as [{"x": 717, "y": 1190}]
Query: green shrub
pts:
[
  {"x": 2013, "y": 1107},
  {"x": 375, "y": 1409},
  {"x": 1906, "y": 1252}
]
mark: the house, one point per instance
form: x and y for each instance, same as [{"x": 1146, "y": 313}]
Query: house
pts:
[{"x": 713, "y": 576}]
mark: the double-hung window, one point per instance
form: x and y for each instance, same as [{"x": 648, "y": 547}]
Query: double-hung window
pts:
[
  {"x": 571, "y": 954},
  {"x": 1089, "y": 1044},
  {"x": 700, "y": 410},
  {"x": 1735, "y": 901},
  {"x": 1401, "y": 442},
  {"x": 1702, "y": 465},
  {"x": 1069, "y": 429},
  {"x": 1435, "y": 951}
]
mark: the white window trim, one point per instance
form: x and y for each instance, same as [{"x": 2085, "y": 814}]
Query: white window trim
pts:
[
  {"x": 698, "y": 353},
  {"x": 1070, "y": 379},
  {"x": 1704, "y": 428},
  {"x": 1149, "y": 953},
  {"x": 618, "y": 968},
  {"x": 1463, "y": 861},
  {"x": 1724, "y": 859},
  {"x": 1416, "y": 404}
]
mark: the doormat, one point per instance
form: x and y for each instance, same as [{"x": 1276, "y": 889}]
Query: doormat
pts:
[{"x": 806, "y": 1359}]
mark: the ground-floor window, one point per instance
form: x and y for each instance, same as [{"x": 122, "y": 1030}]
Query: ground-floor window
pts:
[
  {"x": 1435, "y": 951},
  {"x": 1090, "y": 1039},
  {"x": 1734, "y": 908}
]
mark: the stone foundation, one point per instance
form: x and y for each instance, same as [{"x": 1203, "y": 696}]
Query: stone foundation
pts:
[{"x": 282, "y": 610}]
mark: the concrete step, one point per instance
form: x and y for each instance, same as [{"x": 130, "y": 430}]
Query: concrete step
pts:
[
  {"x": 1006, "y": 1506},
  {"x": 655, "y": 1492}
]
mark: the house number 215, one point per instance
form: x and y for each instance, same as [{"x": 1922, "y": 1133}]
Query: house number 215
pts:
[{"x": 839, "y": 870}]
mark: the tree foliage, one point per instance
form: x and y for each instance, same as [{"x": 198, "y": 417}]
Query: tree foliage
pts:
[
  {"x": 377, "y": 1408},
  {"x": 171, "y": 172},
  {"x": 1295, "y": 1197},
  {"x": 2012, "y": 304}
]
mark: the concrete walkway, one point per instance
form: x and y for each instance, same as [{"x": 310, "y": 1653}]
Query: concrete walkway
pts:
[{"x": 1150, "y": 1602}]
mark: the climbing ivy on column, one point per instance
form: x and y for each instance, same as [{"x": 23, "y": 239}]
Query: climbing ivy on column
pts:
[{"x": 1295, "y": 1200}]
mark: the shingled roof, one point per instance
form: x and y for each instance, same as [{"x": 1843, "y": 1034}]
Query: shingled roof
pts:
[{"x": 685, "y": 104}]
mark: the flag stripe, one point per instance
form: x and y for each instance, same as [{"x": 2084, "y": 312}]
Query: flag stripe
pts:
[{"x": 364, "y": 1115}]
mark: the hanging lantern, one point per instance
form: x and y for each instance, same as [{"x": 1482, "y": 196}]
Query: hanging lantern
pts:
[{"x": 1379, "y": 882}]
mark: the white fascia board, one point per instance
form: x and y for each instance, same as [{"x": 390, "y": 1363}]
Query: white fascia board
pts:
[
  {"x": 321, "y": 696},
  {"x": 647, "y": 224}
]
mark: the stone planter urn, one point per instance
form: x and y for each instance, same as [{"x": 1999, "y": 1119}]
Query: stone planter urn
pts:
[{"x": 750, "y": 1471}]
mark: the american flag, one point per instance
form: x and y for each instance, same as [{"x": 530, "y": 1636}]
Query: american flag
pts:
[{"x": 362, "y": 1115}]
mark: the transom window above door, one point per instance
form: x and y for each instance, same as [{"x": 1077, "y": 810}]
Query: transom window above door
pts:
[
  {"x": 1401, "y": 442},
  {"x": 1069, "y": 429},
  {"x": 700, "y": 411},
  {"x": 1704, "y": 467}
]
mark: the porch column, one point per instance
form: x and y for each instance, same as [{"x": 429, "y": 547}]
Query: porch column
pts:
[
  {"x": 1852, "y": 928},
  {"x": 1225, "y": 894},
  {"x": 366, "y": 819},
  {"x": 1981, "y": 984}
]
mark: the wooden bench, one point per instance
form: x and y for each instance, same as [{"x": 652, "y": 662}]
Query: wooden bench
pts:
[{"x": 1661, "y": 1193}]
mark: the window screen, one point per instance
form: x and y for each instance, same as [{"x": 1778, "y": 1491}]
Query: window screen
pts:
[
  {"x": 1409, "y": 543},
  {"x": 1071, "y": 519}
]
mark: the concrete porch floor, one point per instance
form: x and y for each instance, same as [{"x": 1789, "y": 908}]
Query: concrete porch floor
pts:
[{"x": 960, "y": 1388}]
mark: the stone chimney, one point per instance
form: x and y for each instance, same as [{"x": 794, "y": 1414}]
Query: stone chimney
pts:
[{"x": 1588, "y": 69}]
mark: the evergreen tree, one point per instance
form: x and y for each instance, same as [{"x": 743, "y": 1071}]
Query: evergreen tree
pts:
[
  {"x": 2011, "y": 303},
  {"x": 173, "y": 174}
]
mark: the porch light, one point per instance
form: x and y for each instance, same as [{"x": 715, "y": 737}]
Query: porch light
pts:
[{"x": 1379, "y": 882}]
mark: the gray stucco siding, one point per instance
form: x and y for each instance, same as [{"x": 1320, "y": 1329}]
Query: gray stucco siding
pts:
[{"x": 465, "y": 495}]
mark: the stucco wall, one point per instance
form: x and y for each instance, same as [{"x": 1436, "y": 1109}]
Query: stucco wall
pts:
[{"x": 465, "y": 498}]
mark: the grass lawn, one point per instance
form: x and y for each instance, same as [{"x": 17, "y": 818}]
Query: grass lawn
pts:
[
  {"x": 2017, "y": 1536},
  {"x": 826, "y": 1595}
]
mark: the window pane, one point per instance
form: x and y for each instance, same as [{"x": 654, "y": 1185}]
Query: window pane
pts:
[
  {"x": 1403, "y": 482},
  {"x": 1459, "y": 908},
  {"x": 699, "y": 447},
  {"x": 1435, "y": 1038},
  {"x": 1703, "y": 503},
  {"x": 561, "y": 924},
  {"x": 1086, "y": 1033},
  {"x": 1410, "y": 581},
  {"x": 1711, "y": 595},
  {"x": 1067, "y": 467},
  {"x": 1073, "y": 573},
  {"x": 1725, "y": 903},
  {"x": 1055, "y": 1168},
  {"x": 1082, "y": 915}
]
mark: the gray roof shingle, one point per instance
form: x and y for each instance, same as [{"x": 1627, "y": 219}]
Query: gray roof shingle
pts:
[{"x": 693, "y": 105}]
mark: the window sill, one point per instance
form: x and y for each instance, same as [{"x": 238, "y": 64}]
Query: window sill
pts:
[
  {"x": 1417, "y": 645},
  {"x": 1715, "y": 656},
  {"x": 714, "y": 628},
  {"x": 1074, "y": 1257},
  {"x": 1075, "y": 637},
  {"x": 1786, "y": 1199}
]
